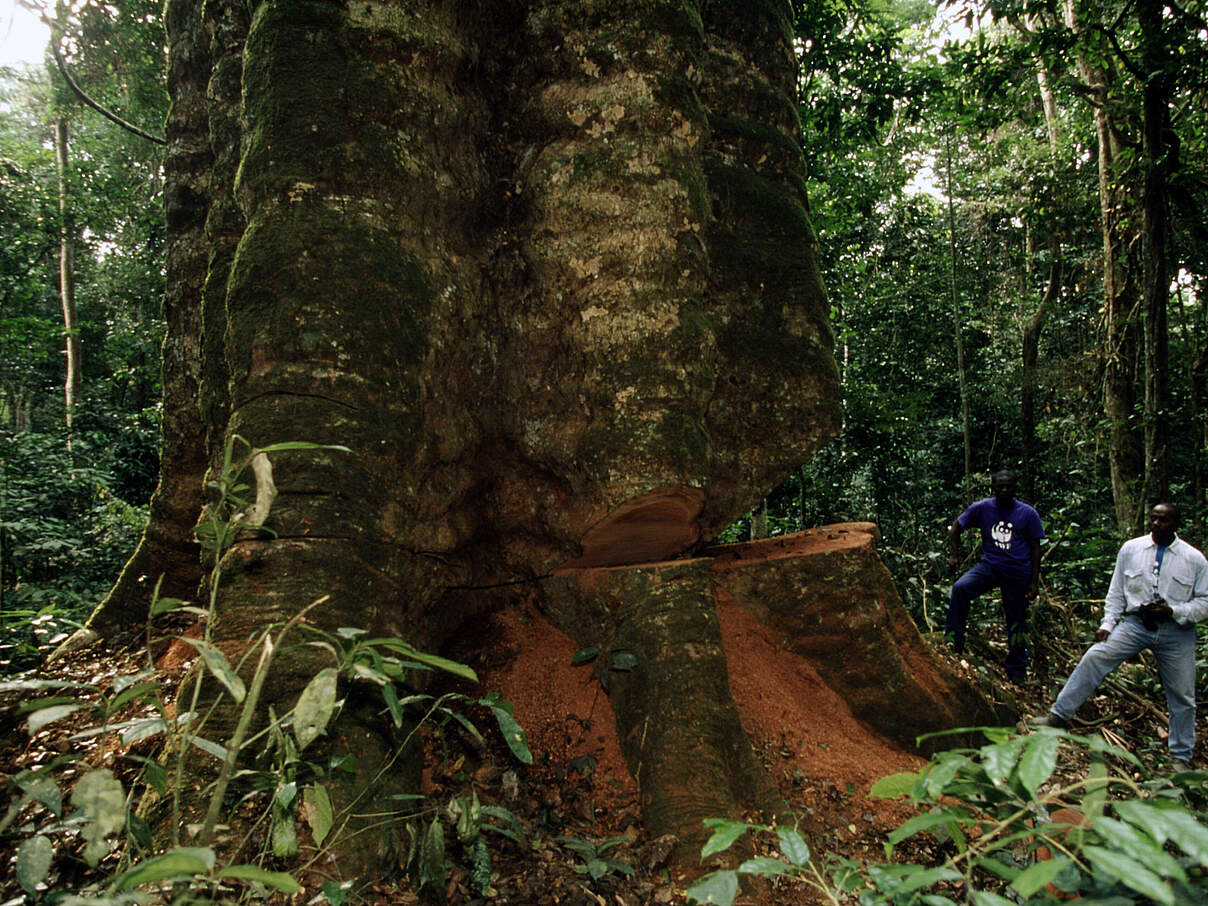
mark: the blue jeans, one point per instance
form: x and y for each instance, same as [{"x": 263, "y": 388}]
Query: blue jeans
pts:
[
  {"x": 1173, "y": 646},
  {"x": 977, "y": 581}
]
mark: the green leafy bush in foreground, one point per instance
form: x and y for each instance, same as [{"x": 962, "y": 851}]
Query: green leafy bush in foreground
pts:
[{"x": 1009, "y": 834}]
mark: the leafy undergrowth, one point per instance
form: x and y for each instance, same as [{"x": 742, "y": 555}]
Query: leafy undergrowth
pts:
[{"x": 551, "y": 832}]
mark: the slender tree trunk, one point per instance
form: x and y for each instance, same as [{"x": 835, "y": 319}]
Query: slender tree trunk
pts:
[
  {"x": 1030, "y": 359},
  {"x": 67, "y": 296},
  {"x": 1030, "y": 341},
  {"x": 1155, "y": 247},
  {"x": 759, "y": 521},
  {"x": 1122, "y": 340},
  {"x": 958, "y": 331}
]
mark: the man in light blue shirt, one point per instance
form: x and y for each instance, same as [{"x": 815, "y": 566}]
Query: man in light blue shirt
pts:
[{"x": 1159, "y": 591}]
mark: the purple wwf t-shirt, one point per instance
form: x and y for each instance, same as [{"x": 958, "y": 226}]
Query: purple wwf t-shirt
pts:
[{"x": 1005, "y": 533}]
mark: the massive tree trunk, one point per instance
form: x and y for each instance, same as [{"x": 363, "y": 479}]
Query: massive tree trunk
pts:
[{"x": 546, "y": 269}]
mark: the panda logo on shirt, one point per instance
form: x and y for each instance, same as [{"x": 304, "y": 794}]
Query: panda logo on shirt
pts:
[{"x": 1001, "y": 533}]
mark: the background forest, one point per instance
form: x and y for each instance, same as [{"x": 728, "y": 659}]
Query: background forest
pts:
[{"x": 1009, "y": 211}]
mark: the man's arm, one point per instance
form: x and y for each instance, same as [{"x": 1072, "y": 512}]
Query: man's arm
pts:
[
  {"x": 954, "y": 545},
  {"x": 1195, "y": 608},
  {"x": 1034, "y": 557},
  {"x": 1113, "y": 604}
]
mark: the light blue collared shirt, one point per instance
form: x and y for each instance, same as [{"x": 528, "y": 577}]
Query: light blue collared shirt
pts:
[{"x": 1182, "y": 581}]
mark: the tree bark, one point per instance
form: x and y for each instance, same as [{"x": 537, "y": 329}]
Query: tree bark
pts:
[
  {"x": 1122, "y": 342},
  {"x": 1030, "y": 340},
  {"x": 1030, "y": 356},
  {"x": 168, "y": 549},
  {"x": 1155, "y": 247},
  {"x": 962, "y": 375}
]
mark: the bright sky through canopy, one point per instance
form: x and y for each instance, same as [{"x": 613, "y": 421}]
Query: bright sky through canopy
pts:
[{"x": 22, "y": 36}]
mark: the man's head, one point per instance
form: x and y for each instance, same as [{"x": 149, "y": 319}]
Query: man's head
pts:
[
  {"x": 1002, "y": 485},
  {"x": 1164, "y": 521}
]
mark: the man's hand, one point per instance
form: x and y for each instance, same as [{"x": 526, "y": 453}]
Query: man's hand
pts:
[
  {"x": 1033, "y": 591},
  {"x": 954, "y": 563},
  {"x": 1160, "y": 609},
  {"x": 1102, "y": 634}
]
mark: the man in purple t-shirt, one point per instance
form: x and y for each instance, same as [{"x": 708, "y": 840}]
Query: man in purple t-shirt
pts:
[{"x": 1010, "y": 561}]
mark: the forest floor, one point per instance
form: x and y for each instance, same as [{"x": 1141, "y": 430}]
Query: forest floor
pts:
[{"x": 578, "y": 791}]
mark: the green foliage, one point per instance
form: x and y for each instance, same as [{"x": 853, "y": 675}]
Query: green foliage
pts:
[
  {"x": 596, "y": 864},
  {"x": 995, "y": 810},
  {"x": 65, "y": 532},
  {"x": 290, "y": 783}
]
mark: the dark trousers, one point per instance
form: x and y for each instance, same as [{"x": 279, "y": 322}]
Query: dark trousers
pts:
[{"x": 977, "y": 581}]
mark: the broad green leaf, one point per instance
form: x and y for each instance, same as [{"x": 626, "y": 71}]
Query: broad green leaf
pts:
[
  {"x": 176, "y": 863},
  {"x": 597, "y": 868},
  {"x": 989, "y": 898},
  {"x": 1171, "y": 823},
  {"x": 317, "y": 808},
  {"x": 916, "y": 877},
  {"x": 1035, "y": 877},
  {"x": 942, "y": 771},
  {"x": 513, "y": 735},
  {"x": 278, "y": 880},
  {"x": 625, "y": 661},
  {"x": 41, "y": 786},
  {"x": 165, "y": 605},
  {"x": 583, "y": 847},
  {"x": 218, "y": 665},
  {"x": 286, "y": 445},
  {"x": 34, "y": 858},
  {"x": 44, "y": 716},
  {"x": 285, "y": 794},
  {"x": 390, "y": 697},
  {"x": 1038, "y": 762},
  {"x": 720, "y": 888},
  {"x": 467, "y": 724},
  {"x": 793, "y": 846},
  {"x": 99, "y": 795},
  {"x": 284, "y": 833},
  {"x": 1130, "y": 873},
  {"x": 365, "y": 672},
  {"x": 129, "y": 693},
  {"x": 764, "y": 866},
  {"x": 918, "y": 824},
  {"x": 1004, "y": 871},
  {"x": 583, "y": 655},
  {"x": 429, "y": 660},
  {"x": 32, "y": 685},
  {"x": 208, "y": 746},
  {"x": 315, "y": 706},
  {"x": 336, "y": 892},
  {"x": 1096, "y": 789},
  {"x": 140, "y": 830},
  {"x": 432, "y": 856},
  {"x": 142, "y": 728},
  {"x": 724, "y": 834},
  {"x": 894, "y": 785},
  {"x": 1128, "y": 839},
  {"x": 39, "y": 703},
  {"x": 999, "y": 760}
]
